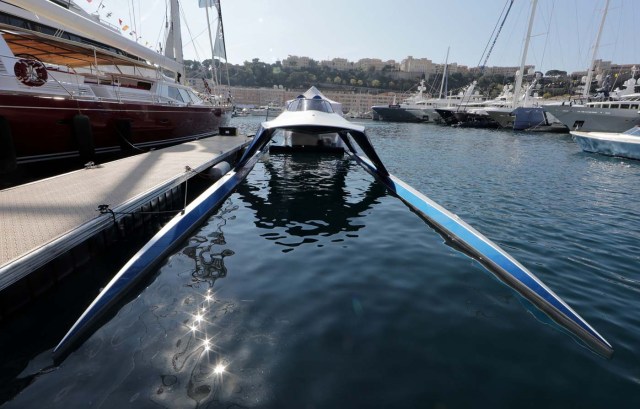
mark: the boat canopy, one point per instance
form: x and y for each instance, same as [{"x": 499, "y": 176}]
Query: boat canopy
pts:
[
  {"x": 315, "y": 120},
  {"x": 314, "y": 93},
  {"x": 55, "y": 50},
  {"x": 69, "y": 21}
]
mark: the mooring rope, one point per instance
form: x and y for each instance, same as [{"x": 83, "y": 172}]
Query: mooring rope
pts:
[{"x": 105, "y": 208}]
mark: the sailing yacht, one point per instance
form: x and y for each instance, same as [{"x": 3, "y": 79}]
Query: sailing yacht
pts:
[{"x": 74, "y": 88}]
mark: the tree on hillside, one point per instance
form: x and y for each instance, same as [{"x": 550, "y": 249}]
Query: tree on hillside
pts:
[{"x": 554, "y": 73}]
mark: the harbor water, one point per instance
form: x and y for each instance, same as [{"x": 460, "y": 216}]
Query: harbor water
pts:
[{"x": 312, "y": 287}]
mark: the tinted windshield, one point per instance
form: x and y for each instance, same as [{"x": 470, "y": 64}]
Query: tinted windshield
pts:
[{"x": 302, "y": 104}]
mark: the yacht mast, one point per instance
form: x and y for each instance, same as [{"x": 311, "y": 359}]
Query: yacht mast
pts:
[
  {"x": 587, "y": 85},
  {"x": 516, "y": 91},
  {"x": 444, "y": 74},
  {"x": 173, "y": 47},
  {"x": 224, "y": 46},
  {"x": 214, "y": 75}
]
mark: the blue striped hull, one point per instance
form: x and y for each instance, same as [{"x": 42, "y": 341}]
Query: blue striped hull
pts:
[
  {"x": 159, "y": 247},
  {"x": 494, "y": 258}
]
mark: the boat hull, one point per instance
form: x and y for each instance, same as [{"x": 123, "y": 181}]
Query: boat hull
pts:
[
  {"x": 447, "y": 116},
  {"x": 592, "y": 119},
  {"x": 505, "y": 267},
  {"x": 473, "y": 120},
  {"x": 610, "y": 144},
  {"x": 502, "y": 116},
  {"x": 398, "y": 114},
  {"x": 42, "y": 129}
]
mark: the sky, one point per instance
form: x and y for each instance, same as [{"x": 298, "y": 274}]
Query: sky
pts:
[{"x": 563, "y": 33}]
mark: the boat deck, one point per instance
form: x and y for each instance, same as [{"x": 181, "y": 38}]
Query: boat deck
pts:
[{"x": 43, "y": 219}]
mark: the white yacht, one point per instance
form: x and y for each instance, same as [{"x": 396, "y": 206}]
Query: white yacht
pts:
[{"x": 599, "y": 116}]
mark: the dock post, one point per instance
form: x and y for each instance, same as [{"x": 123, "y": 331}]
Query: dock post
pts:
[
  {"x": 123, "y": 129},
  {"x": 84, "y": 137},
  {"x": 7, "y": 149}
]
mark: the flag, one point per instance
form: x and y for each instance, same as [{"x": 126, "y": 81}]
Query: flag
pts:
[
  {"x": 218, "y": 46},
  {"x": 209, "y": 3}
]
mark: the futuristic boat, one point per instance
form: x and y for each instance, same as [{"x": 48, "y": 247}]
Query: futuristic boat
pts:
[{"x": 315, "y": 118}]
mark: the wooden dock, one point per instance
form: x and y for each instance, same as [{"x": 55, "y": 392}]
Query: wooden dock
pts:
[{"x": 41, "y": 220}]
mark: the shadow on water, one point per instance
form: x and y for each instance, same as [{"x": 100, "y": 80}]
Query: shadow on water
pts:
[{"x": 28, "y": 337}]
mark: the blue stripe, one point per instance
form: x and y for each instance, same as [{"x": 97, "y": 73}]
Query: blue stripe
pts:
[
  {"x": 484, "y": 248},
  {"x": 157, "y": 248}
]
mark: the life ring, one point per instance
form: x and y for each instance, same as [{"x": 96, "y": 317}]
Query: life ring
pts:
[{"x": 30, "y": 72}]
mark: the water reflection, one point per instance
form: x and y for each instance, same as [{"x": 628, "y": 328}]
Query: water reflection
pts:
[
  {"x": 197, "y": 365},
  {"x": 209, "y": 252},
  {"x": 307, "y": 199},
  {"x": 162, "y": 348}
]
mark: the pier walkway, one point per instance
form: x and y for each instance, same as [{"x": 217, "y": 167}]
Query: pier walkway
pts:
[{"x": 41, "y": 220}]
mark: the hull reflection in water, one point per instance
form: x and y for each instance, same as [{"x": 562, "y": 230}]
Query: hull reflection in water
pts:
[{"x": 306, "y": 198}]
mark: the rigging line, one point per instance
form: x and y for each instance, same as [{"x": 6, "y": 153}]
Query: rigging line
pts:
[
  {"x": 99, "y": 5},
  {"x": 558, "y": 44},
  {"x": 166, "y": 26},
  {"x": 186, "y": 23},
  {"x": 546, "y": 40},
  {"x": 496, "y": 37},
  {"x": 493, "y": 32},
  {"x": 131, "y": 18},
  {"x": 618, "y": 32},
  {"x": 578, "y": 30},
  {"x": 491, "y": 48}
]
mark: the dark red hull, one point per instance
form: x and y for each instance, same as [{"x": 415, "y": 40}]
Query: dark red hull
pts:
[{"x": 44, "y": 129}]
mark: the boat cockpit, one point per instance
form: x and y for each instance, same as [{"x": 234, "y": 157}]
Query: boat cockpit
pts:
[{"x": 310, "y": 104}]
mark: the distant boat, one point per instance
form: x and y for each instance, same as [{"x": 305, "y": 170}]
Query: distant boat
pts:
[
  {"x": 599, "y": 116},
  {"x": 74, "y": 87},
  {"x": 625, "y": 144},
  {"x": 410, "y": 110},
  {"x": 417, "y": 108},
  {"x": 270, "y": 110},
  {"x": 241, "y": 112}
]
